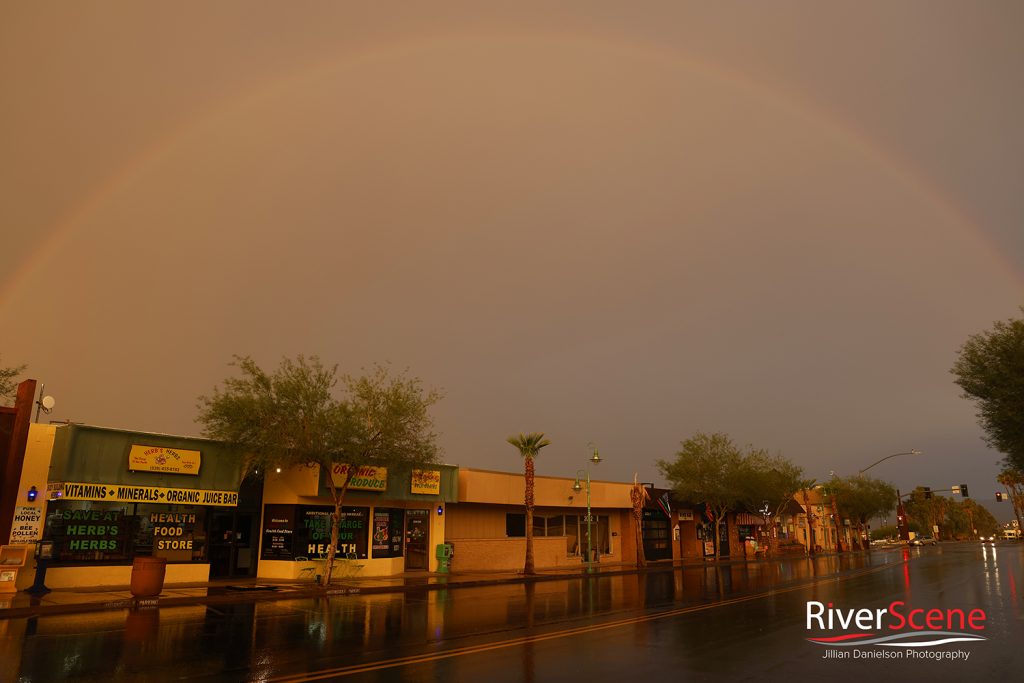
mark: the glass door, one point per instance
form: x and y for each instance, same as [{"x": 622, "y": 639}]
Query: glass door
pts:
[{"x": 417, "y": 540}]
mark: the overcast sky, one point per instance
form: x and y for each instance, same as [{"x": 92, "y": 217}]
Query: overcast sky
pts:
[{"x": 610, "y": 222}]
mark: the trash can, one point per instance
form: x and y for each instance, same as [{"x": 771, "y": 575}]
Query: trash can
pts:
[
  {"x": 444, "y": 557},
  {"x": 148, "y": 576}
]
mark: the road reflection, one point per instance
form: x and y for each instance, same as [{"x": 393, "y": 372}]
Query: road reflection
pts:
[{"x": 257, "y": 641}]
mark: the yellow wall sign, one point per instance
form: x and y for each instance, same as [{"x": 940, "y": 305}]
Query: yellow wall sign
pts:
[
  {"x": 125, "y": 493},
  {"x": 168, "y": 460},
  {"x": 365, "y": 478},
  {"x": 426, "y": 481}
]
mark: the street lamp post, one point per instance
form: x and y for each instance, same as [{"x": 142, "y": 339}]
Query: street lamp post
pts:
[
  {"x": 577, "y": 487},
  {"x": 901, "y": 514},
  {"x": 912, "y": 451}
]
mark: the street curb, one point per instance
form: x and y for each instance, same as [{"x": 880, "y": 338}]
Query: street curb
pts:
[{"x": 342, "y": 590}]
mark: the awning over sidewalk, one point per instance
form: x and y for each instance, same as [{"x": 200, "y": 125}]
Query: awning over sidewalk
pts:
[{"x": 747, "y": 519}]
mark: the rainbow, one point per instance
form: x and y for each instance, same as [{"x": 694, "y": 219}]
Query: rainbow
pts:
[{"x": 668, "y": 56}]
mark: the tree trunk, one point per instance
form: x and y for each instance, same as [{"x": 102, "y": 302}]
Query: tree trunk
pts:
[
  {"x": 528, "y": 566},
  {"x": 719, "y": 514},
  {"x": 810, "y": 524},
  {"x": 838, "y": 525},
  {"x": 638, "y": 496},
  {"x": 338, "y": 495}
]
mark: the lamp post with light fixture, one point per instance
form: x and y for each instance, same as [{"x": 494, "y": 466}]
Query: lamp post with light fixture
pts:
[
  {"x": 912, "y": 451},
  {"x": 577, "y": 487}
]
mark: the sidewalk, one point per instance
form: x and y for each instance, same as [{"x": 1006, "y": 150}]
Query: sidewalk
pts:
[
  {"x": 225, "y": 591},
  {"x": 74, "y": 600}
]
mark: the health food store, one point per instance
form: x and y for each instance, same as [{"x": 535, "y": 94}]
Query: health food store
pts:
[
  {"x": 392, "y": 520},
  {"x": 114, "y": 495}
]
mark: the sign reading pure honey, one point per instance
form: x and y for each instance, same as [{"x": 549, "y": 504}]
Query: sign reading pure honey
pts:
[{"x": 166, "y": 460}]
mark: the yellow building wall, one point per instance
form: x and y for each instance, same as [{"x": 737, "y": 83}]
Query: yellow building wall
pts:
[
  {"x": 476, "y": 525},
  {"x": 507, "y": 488},
  {"x": 34, "y": 472},
  {"x": 120, "y": 576},
  {"x": 299, "y": 486}
]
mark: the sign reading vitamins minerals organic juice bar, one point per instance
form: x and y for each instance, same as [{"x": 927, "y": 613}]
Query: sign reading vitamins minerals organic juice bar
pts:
[
  {"x": 366, "y": 478},
  {"x": 166, "y": 460},
  {"x": 122, "y": 493}
]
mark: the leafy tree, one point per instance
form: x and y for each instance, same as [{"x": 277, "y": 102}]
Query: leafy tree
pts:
[
  {"x": 861, "y": 498},
  {"x": 1013, "y": 479},
  {"x": 990, "y": 370},
  {"x": 710, "y": 469},
  {"x": 291, "y": 417},
  {"x": 773, "y": 482},
  {"x": 927, "y": 513},
  {"x": 529, "y": 446},
  {"x": 966, "y": 516},
  {"x": 8, "y": 381}
]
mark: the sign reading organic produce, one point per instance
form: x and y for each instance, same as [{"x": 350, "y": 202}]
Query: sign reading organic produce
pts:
[
  {"x": 119, "y": 493},
  {"x": 366, "y": 478},
  {"x": 160, "y": 459},
  {"x": 426, "y": 481}
]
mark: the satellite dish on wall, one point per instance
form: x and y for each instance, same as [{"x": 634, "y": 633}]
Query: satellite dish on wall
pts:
[{"x": 44, "y": 403}]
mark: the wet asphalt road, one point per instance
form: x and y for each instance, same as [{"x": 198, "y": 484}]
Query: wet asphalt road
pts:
[{"x": 737, "y": 622}]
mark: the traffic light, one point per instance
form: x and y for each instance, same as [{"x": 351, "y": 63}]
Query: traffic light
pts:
[
  {"x": 999, "y": 496},
  {"x": 927, "y": 492},
  {"x": 963, "y": 491}
]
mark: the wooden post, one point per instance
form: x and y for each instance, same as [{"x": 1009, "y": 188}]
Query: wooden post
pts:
[{"x": 13, "y": 440}]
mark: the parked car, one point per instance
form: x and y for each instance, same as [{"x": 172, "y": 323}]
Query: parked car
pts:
[{"x": 924, "y": 540}]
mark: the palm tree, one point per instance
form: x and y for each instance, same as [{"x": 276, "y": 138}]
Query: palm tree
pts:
[{"x": 529, "y": 446}]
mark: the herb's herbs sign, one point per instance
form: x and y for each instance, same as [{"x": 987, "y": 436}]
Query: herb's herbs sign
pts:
[
  {"x": 92, "y": 530},
  {"x": 165, "y": 460}
]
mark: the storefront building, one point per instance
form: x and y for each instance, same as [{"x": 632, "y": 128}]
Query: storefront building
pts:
[
  {"x": 487, "y": 526},
  {"x": 114, "y": 495},
  {"x": 392, "y": 521}
]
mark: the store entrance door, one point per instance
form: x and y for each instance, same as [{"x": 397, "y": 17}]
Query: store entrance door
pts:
[
  {"x": 232, "y": 551},
  {"x": 417, "y": 540},
  {"x": 234, "y": 533}
]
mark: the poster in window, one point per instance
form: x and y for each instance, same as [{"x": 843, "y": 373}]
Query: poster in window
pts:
[
  {"x": 388, "y": 531},
  {"x": 278, "y": 532},
  {"x": 313, "y": 531}
]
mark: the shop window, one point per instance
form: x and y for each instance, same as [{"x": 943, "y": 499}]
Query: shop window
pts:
[
  {"x": 515, "y": 524},
  {"x": 97, "y": 532},
  {"x": 599, "y": 529},
  {"x": 572, "y": 534},
  {"x": 556, "y": 526}
]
